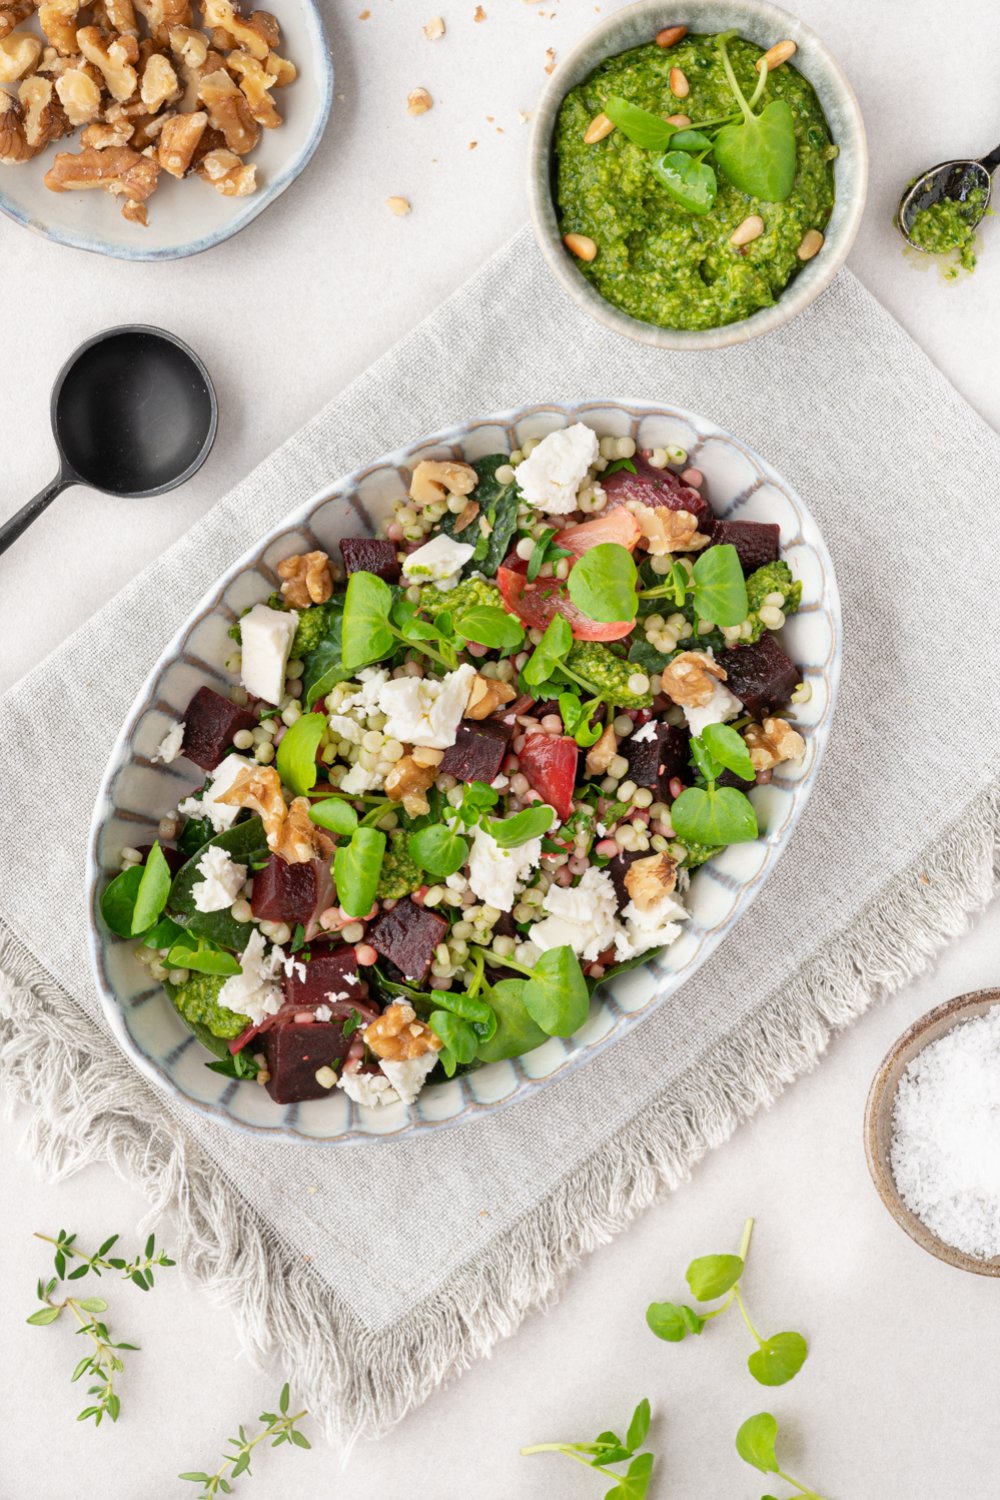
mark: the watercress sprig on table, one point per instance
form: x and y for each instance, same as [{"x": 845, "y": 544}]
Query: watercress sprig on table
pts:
[
  {"x": 278, "y": 1427},
  {"x": 103, "y": 1364},
  {"x": 138, "y": 1270},
  {"x": 755, "y": 1443},
  {"x": 775, "y": 1361},
  {"x": 606, "y": 1449}
]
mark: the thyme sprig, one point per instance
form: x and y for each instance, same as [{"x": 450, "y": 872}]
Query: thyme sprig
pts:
[
  {"x": 139, "y": 1270},
  {"x": 278, "y": 1426},
  {"x": 103, "y": 1364}
]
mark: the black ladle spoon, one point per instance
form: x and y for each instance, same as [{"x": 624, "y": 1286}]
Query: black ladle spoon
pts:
[{"x": 133, "y": 414}]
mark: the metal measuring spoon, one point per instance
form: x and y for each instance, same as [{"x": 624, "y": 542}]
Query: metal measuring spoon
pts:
[
  {"x": 133, "y": 414},
  {"x": 950, "y": 179}
]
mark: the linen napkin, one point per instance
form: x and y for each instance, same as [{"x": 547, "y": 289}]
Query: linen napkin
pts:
[{"x": 374, "y": 1271}]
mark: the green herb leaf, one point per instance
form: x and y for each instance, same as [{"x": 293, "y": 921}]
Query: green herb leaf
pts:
[
  {"x": 642, "y": 128},
  {"x": 779, "y": 1359},
  {"x": 718, "y": 586},
  {"x": 438, "y": 850},
  {"x": 457, "y": 1035},
  {"x": 336, "y": 814},
  {"x": 357, "y": 865},
  {"x": 238, "y": 1065},
  {"x": 516, "y": 1033},
  {"x": 672, "y": 1322},
  {"x": 366, "y": 634},
  {"x": 690, "y": 182},
  {"x": 163, "y": 935},
  {"x": 755, "y": 1442},
  {"x": 729, "y": 749},
  {"x": 511, "y": 832},
  {"x": 324, "y": 663},
  {"x": 152, "y": 892},
  {"x": 202, "y": 956},
  {"x": 554, "y": 645},
  {"x": 557, "y": 995},
  {"x": 246, "y": 844},
  {"x": 711, "y": 1276},
  {"x": 713, "y": 816},
  {"x": 635, "y": 1484},
  {"x": 759, "y": 155},
  {"x": 602, "y": 583},
  {"x": 618, "y": 465},
  {"x": 690, "y": 140},
  {"x": 118, "y": 901},
  {"x": 489, "y": 626},
  {"x": 44, "y": 1315},
  {"x": 638, "y": 1428},
  {"x": 296, "y": 759}
]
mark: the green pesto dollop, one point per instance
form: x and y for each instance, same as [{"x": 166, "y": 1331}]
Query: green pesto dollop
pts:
[
  {"x": 312, "y": 628},
  {"x": 198, "y": 1001},
  {"x": 607, "y": 673},
  {"x": 774, "y": 578},
  {"x": 655, "y": 260},
  {"x": 399, "y": 874},
  {"x": 434, "y": 601},
  {"x": 950, "y": 224}
]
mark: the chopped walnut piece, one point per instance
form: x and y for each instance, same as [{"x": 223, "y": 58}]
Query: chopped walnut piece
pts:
[
  {"x": 178, "y": 140},
  {"x": 161, "y": 15},
  {"x": 670, "y": 530},
  {"x": 602, "y": 753},
  {"x": 103, "y": 137},
  {"x": 118, "y": 170},
  {"x": 135, "y": 213},
  {"x": 435, "y": 479},
  {"x": 300, "y": 840},
  {"x": 119, "y": 16},
  {"x": 688, "y": 680},
  {"x": 44, "y": 117},
  {"x": 434, "y": 30},
  {"x": 13, "y": 143},
  {"x": 418, "y": 102},
  {"x": 113, "y": 60},
  {"x": 399, "y": 206},
  {"x": 257, "y": 35},
  {"x": 396, "y": 1035},
  {"x": 19, "y": 53},
  {"x": 229, "y": 111},
  {"x": 773, "y": 742},
  {"x": 280, "y": 71},
  {"x": 148, "y": 129},
  {"x": 57, "y": 19},
  {"x": 159, "y": 83},
  {"x": 407, "y": 782},
  {"x": 255, "y": 81},
  {"x": 190, "y": 46},
  {"x": 79, "y": 96},
  {"x": 227, "y": 173},
  {"x": 308, "y": 579},
  {"x": 466, "y": 516},
  {"x": 486, "y": 695},
  {"x": 12, "y": 12},
  {"x": 259, "y": 788},
  {"x": 648, "y": 880}
]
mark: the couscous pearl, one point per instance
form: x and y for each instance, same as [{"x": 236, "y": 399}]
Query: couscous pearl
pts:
[
  {"x": 178, "y": 976},
  {"x": 622, "y": 725},
  {"x": 240, "y": 696},
  {"x": 132, "y": 855},
  {"x": 392, "y": 751},
  {"x": 642, "y": 797},
  {"x": 627, "y": 791},
  {"x": 525, "y": 548},
  {"x": 240, "y": 911},
  {"x": 325, "y": 1077},
  {"x": 617, "y": 767},
  {"x": 291, "y": 715},
  {"x": 552, "y": 724},
  {"x": 434, "y": 895},
  {"x": 365, "y": 954},
  {"x": 243, "y": 739},
  {"x": 771, "y": 616},
  {"x": 353, "y": 932},
  {"x": 264, "y": 754},
  {"x": 677, "y": 455}
]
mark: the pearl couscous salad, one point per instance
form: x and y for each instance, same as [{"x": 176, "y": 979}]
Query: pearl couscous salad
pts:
[{"x": 467, "y": 771}]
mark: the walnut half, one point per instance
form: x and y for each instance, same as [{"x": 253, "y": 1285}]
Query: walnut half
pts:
[
  {"x": 688, "y": 680},
  {"x": 397, "y": 1035},
  {"x": 19, "y": 53},
  {"x": 648, "y": 880},
  {"x": 230, "y": 176},
  {"x": 407, "y": 782},
  {"x": 118, "y": 170},
  {"x": 179, "y": 140},
  {"x": 486, "y": 695},
  {"x": 772, "y": 742},
  {"x": 308, "y": 579}
]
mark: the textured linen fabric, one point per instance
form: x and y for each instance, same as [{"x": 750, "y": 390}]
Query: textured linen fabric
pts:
[{"x": 377, "y": 1269}]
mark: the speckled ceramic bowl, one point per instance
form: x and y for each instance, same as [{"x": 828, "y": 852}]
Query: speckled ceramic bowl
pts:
[
  {"x": 878, "y": 1121},
  {"x": 188, "y": 217},
  {"x": 136, "y": 794},
  {"x": 759, "y": 22}
]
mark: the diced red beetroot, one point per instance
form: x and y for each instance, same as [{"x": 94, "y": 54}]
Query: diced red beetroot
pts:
[
  {"x": 617, "y": 868},
  {"x": 174, "y": 858},
  {"x": 659, "y": 488},
  {"x": 549, "y": 761},
  {"x": 756, "y": 542},
  {"x": 653, "y": 761},
  {"x": 761, "y": 675},
  {"x": 478, "y": 751},
  {"x": 363, "y": 554},
  {"x": 328, "y": 972},
  {"x": 284, "y": 892},
  {"x": 210, "y": 721},
  {"x": 295, "y": 1051},
  {"x": 407, "y": 937},
  {"x": 536, "y": 603}
]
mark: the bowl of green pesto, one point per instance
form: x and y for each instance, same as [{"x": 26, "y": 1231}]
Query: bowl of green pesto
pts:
[{"x": 698, "y": 174}]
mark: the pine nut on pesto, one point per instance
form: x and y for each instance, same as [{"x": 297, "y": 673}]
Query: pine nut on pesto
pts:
[{"x": 655, "y": 260}]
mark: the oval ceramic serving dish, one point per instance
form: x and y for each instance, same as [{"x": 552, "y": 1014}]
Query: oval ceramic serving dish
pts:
[
  {"x": 135, "y": 794},
  {"x": 188, "y": 217}
]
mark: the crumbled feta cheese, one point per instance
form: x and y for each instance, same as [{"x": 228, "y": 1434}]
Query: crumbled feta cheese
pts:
[
  {"x": 500, "y": 783},
  {"x": 655, "y": 928},
  {"x": 647, "y": 732},
  {"x": 254, "y": 992},
  {"x": 219, "y": 814},
  {"x": 345, "y": 728},
  {"x": 551, "y": 475},
  {"x": 408, "y": 1077},
  {"x": 438, "y": 561},
  {"x": 323, "y": 1013},
  {"x": 170, "y": 746},
  {"x": 367, "y": 1088},
  {"x": 293, "y": 967},
  {"x": 721, "y": 706},
  {"x": 365, "y": 698},
  {"x": 222, "y": 883},
  {"x": 495, "y": 873},
  {"x": 582, "y": 917},
  {"x": 359, "y": 780},
  {"x": 266, "y": 637},
  {"x": 426, "y": 711}
]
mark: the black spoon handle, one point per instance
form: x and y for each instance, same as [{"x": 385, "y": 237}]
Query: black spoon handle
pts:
[
  {"x": 11, "y": 530},
  {"x": 992, "y": 161}
]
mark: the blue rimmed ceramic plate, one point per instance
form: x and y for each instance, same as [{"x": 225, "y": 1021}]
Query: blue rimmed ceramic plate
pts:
[
  {"x": 136, "y": 794},
  {"x": 188, "y": 217}
]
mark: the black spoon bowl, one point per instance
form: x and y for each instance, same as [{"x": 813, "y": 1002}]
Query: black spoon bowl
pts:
[
  {"x": 951, "y": 180},
  {"x": 133, "y": 414}
]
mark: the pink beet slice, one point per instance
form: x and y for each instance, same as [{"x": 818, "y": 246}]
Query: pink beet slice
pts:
[
  {"x": 210, "y": 722},
  {"x": 295, "y": 1051},
  {"x": 329, "y": 974},
  {"x": 478, "y": 751},
  {"x": 407, "y": 937},
  {"x": 363, "y": 554},
  {"x": 659, "y": 488},
  {"x": 756, "y": 542},
  {"x": 549, "y": 761},
  {"x": 283, "y": 892},
  {"x": 761, "y": 675},
  {"x": 653, "y": 762}
]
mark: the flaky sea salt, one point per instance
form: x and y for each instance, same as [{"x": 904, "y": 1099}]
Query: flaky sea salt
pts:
[{"x": 945, "y": 1153}]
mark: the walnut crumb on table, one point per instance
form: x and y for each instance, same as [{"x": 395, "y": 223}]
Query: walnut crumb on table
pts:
[
  {"x": 418, "y": 101},
  {"x": 399, "y": 206},
  {"x": 434, "y": 30}
]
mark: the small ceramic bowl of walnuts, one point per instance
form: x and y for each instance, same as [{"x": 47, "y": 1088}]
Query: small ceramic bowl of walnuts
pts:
[{"x": 153, "y": 129}]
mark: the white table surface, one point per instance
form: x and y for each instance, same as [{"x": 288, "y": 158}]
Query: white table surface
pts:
[{"x": 896, "y": 1398}]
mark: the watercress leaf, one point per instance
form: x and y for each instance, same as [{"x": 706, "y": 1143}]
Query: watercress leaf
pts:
[
  {"x": 511, "y": 832},
  {"x": 152, "y": 892},
  {"x": 477, "y": 798},
  {"x": 711, "y": 1276},
  {"x": 705, "y": 761},
  {"x": 296, "y": 759},
  {"x": 490, "y": 626},
  {"x": 635, "y": 1485},
  {"x": 516, "y": 1032},
  {"x": 194, "y": 836},
  {"x": 755, "y": 1442},
  {"x": 602, "y": 583},
  {"x": 690, "y": 182},
  {"x": 437, "y": 850},
  {"x": 718, "y": 586},
  {"x": 247, "y": 845},
  {"x": 553, "y": 646},
  {"x": 557, "y": 995},
  {"x": 457, "y": 1035},
  {"x": 689, "y": 140},
  {"x": 713, "y": 816},
  {"x": 672, "y": 1323},
  {"x": 412, "y": 627},
  {"x": 538, "y": 553},
  {"x": 323, "y": 666},
  {"x": 639, "y": 1426},
  {"x": 202, "y": 956},
  {"x": 729, "y": 749},
  {"x": 118, "y": 901},
  {"x": 471, "y": 1008},
  {"x": 366, "y": 633},
  {"x": 642, "y": 128},
  {"x": 357, "y": 866},
  {"x": 779, "y": 1359},
  {"x": 571, "y": 710},
  {"x": 165, "y": 932},
  {"x": 336, "y": 814},
  {"x": 758, "y": 155},
  {"x": 237, "y": 1065}
]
